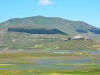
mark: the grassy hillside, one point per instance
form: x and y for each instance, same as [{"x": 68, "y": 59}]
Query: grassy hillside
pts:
[
  {"x": 69, "y": 27},
  {"x": 23, "y": 40},
  {"x": 16, "y": 40}
]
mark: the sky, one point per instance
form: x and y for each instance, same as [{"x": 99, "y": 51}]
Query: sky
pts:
[{"x": 77, "y": 10}]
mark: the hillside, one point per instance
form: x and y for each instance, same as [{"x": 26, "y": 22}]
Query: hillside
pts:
[
  {"x": 69, "y": 27},
  {"x": 47, "y": 33},
  {"x": 19, "y": 41}
]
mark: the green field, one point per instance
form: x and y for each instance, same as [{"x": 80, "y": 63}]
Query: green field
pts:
[{"x": 41, "y": 63}]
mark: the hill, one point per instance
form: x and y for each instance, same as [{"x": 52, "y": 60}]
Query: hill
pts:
[
  {"x": 41, "y": 32},
  {"x": 67, "y": 26}
]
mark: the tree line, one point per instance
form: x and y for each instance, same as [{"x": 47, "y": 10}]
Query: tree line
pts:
[
  {"x": 94, "y": 30},
  {"x": 36, "y": 31}
]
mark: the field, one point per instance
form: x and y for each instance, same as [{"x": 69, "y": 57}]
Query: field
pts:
[
  {"x": 49, "y": 62},
  {"x": 33, "y": 54}
]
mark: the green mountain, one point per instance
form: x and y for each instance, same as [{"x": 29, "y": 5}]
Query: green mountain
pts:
[
  {"x": 69, "y": 27},
  {"x": 41, "y": 32}
]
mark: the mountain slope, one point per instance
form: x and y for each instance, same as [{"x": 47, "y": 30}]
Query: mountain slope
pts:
[{"x": 69, "y": 27}]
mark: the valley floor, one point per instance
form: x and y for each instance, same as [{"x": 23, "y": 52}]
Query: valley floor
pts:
[{"x": 49, "y": 62}]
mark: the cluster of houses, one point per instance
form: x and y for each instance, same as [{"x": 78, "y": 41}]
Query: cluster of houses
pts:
[
  {"x": 81, "y": 37},
  {"x": 78, "y": 37}
]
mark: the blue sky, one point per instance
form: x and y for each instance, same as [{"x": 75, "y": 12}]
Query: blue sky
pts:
[{"x": 77, "y": 10}]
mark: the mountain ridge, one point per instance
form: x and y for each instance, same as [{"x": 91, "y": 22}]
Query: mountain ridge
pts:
[{"x": 67, "y": 26}]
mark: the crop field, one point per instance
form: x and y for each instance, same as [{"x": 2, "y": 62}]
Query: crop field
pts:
[{"x": 49, "y": 62}]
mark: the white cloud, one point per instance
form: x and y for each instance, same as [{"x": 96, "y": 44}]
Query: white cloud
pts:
[{"x": 45, "y": 2}]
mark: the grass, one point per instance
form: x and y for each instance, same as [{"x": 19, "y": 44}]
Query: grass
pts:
[
  {"x": 38, "y": 54},
  {"x": 26, "y": 59},
  {"x": 44, "y": 42},
  {"x": 48, "y": 72}
]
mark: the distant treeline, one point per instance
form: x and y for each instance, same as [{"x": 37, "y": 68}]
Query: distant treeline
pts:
[
  {"x": 82, "y": 30},
  {"x": 36, "y": 31},
  {"x": 95, "y": 30}
]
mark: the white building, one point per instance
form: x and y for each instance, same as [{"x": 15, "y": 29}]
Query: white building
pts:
[{"x": 78, "y": 37}]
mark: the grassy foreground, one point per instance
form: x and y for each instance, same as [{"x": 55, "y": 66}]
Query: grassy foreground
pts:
[
  {"x": 48, "y": 72},
  {"x": 19, "y": 57}
]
